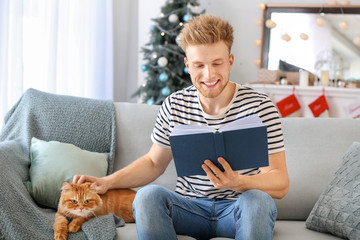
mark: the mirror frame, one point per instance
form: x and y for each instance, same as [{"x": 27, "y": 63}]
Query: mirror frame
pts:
[{"x": 289, "y": 8}]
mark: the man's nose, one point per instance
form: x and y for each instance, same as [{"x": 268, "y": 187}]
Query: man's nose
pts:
[{"x": 209, "y": 72}]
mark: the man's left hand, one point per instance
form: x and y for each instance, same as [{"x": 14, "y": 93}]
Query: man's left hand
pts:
[{"x": 229, "y": 179}]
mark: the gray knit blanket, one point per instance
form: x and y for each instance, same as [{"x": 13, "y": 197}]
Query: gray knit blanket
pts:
[{"x": 86, "y": 123}]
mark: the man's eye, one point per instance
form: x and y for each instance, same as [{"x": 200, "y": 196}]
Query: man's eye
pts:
[{"x": 74, "y": 201}]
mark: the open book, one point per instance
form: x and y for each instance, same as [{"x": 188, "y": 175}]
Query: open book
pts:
[{"x": 242, "y": 143}]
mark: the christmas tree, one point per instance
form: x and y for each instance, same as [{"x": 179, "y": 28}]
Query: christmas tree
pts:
[{"x": 164, "y": 59}]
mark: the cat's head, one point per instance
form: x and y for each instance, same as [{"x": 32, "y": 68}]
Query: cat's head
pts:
[{"x": 79, "y": 199}]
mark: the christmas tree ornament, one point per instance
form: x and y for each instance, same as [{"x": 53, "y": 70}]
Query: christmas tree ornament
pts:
[
  {"x": 165, "y": 91},
  {"x": 320, "y": 22},
  {"x": 304, "y": 36},
  {"x": 356, "y": 41},
  {"x": 270, "y": 24},
  {"x": 177, "y": 39},
  {"x": 162, "y": 61},
  {"x": 344, "y": 25},
  {"x": 150, "y": 101},
  {"x": 154, "y": 55},
  {"x": 152, "y": 27},
  {"x": 186, "y": 70},
  {"x": 187, "y": 17},
  {"x": 143, "y": 67},
  {"x": 173, "y": 18},
  {"x": 163, "y": 77},
  {"x": 162, "y": 34}
]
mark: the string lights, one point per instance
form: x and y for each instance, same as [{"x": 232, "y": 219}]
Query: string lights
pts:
[{"x": 320, "y": 21}]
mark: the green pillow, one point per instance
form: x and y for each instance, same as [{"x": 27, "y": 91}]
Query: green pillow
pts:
[
  {"x": 54, "y": 162},
  {"x": 337, "y": 210}
]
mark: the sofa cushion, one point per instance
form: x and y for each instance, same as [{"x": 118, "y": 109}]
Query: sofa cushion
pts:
[
  {"x": 54, "y": 162},
  {"x": 337, "y": 211}
]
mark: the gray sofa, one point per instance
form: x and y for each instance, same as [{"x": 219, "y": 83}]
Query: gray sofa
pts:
[{"x": 314, "y": 150}]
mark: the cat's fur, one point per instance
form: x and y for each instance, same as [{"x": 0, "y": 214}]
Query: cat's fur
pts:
[{"x": 79, "y": 203}]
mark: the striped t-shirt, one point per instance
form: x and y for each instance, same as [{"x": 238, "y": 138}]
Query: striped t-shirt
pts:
[{"x": 183, "y": 107}]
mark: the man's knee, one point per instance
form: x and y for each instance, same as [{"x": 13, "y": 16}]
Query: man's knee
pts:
[
  {"x": 256, "y": 201},
  {"x": 148, "y": 196}
]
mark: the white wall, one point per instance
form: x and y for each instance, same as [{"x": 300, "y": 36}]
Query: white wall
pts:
[{"x": 240, "y": 13}]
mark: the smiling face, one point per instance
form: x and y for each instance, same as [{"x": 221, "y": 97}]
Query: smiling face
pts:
[{"x": 209, "y": 67}]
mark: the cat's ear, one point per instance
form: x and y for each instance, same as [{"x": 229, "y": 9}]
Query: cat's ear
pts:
[{"x": 66, "y": 186}]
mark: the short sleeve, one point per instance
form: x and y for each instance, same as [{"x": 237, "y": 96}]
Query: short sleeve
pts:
[{"x": 162, "y": 130}]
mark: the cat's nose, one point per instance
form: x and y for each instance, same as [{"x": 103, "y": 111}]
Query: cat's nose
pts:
[{"x": 81, "y": 208}]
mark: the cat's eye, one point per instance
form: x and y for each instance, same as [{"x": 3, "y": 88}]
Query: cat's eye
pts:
[
  {"x": 86, "y": 201},
  {"x": 74, "y": 201}
]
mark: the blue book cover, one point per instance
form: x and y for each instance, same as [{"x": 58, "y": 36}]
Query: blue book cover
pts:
[{"x": 242, "y": 143}]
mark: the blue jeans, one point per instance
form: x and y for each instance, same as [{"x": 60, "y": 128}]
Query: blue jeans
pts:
[{"x": 162, "y": 214}]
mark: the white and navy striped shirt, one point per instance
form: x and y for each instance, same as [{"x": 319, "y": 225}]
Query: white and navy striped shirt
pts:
[{"x": 183, "y": 107}]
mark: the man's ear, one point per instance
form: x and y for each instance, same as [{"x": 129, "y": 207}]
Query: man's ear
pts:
[
  {"x": 231, "y": 60},
  {"x": 186, "y": 61}
]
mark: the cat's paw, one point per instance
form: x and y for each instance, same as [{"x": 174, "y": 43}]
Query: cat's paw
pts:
[
  {"x": 60, "y": 236},
  {"x": 73, "y": 227}
]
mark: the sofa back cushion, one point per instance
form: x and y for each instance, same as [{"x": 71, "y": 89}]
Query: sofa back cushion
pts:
[{"x": 314, "y": 150}]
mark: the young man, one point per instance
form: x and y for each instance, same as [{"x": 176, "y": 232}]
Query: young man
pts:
[{"x": 219, "y": 204}]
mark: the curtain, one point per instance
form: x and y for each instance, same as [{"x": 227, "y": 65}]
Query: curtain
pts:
[{"x": 57, "y": 46}]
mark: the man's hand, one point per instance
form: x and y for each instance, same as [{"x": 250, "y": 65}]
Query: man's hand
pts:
[
  {"x": 101, "y": 186},
  {"x": 273, "y": 179},
  {"x": 229, "y": 179}
]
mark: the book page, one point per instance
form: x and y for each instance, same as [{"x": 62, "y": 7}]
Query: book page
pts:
[
  {"x": 242, "y": 123},
  {"x": 190, "y": 129},
  {"x": 246, "y": 122}
]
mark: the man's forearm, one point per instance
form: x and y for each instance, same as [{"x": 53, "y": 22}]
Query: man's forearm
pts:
[
  {"x": 274, "y": 182},
  {"x": 137, "y": 174}
]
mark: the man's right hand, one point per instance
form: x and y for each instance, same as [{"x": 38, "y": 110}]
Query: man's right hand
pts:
[{"x": 101, "y": 185}]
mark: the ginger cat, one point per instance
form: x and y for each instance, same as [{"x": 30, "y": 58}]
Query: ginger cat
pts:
[{"x": 79, "y": 203}]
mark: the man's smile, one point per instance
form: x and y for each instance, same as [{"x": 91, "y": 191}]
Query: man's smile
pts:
[{"x": 211, "y": 84}]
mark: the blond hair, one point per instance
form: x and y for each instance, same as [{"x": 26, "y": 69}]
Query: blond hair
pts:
[{"x": 206, "y": 29}]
